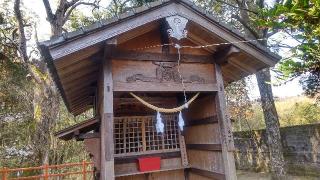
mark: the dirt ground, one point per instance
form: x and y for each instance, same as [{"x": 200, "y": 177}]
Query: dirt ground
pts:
[{"x": 245, "y": 175}]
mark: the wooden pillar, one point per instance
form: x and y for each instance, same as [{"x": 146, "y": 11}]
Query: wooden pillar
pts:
[
  {"x": 227, "y": 144},
  {"x": 106, "y": 113}
]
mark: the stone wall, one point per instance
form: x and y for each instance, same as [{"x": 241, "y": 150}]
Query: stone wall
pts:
[{"x": 301, "y": 149}]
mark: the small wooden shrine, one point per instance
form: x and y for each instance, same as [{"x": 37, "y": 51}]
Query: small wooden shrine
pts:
[{"x": 155, "y": 78}]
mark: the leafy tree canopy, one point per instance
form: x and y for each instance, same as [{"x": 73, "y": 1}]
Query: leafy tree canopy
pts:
[{"x": 299, "y": 19}]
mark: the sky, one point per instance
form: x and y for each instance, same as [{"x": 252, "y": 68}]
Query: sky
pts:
[{"x": 292, "y": 88}]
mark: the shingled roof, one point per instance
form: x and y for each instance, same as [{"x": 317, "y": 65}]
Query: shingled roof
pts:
[
  {"x": 85, "y": 30},
  {"x": 89, "y": 39}
]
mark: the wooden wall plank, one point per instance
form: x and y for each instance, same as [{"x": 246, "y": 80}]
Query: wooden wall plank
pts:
[
  {"x": 209, "y": 174},
  {"x": 203, "y": 121},
  {"x": 203, "y": 134},
  {"x": 206, "y": 160},
  {"x": 162, "y": 87}
]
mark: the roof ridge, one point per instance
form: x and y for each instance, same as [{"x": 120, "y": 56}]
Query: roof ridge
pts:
[{"x": 96, "y": 26}]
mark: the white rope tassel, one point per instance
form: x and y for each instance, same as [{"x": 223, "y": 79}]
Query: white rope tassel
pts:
[
  {"x": 181, "y": 121},
  {"x": 159, "y": 125}
]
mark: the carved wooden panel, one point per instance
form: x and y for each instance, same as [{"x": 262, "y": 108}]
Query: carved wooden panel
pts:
[{"x": 162, "y": 76}]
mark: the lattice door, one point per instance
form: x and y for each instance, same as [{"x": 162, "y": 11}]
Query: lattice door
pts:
[{"x": 137, "y": 135}]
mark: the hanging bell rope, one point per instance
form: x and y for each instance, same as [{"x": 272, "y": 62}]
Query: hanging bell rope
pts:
[{"x": 165, "y": 110}]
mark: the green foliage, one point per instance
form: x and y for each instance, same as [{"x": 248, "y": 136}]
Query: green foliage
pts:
[{"x": 300, "y": 19}]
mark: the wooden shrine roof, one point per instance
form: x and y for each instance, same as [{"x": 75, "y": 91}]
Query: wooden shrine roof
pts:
[
  {"x": 77, "y": 129},
  {"x": 74, "y": 58}
]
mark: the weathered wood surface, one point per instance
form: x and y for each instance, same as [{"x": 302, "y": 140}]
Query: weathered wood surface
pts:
[
  {"x": 227, "y": 143},
  {"x": 132, "y": 168},
  {"x": 83, "y": 127},
  {"x": 206, "y": 160},
  {"x": 157, "y": 77},
  {"x": 183, "y": 151},
  {"x": 208, "y": 174},
  {"x": 148, "y": 56},
  {"x": 203, "y": 121},
  {"x": 133, "y": 159},
  {"x": 224, "y": 53},
  {"x": 203, "y": 138},
  {"x": 207, "y": 147},
  {"x": 106, "y": 112},
  {"x": 92, "y": 146},
  {"x": 138, "y": 21}
]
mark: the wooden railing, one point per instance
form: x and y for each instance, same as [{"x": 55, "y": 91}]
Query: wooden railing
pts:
[{"x": 83, "y": 170}]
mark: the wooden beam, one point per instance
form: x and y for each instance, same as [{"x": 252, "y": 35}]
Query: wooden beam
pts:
[
  {"x": 205, "y": 147},
  {"x": 224, "y": 53},
  {"x": 133, "y": 159},
  {"x": 148, "y": 56},
  {"x": 203, "y": 121},
  {"x": 206, "y": 173},
  {"x": 162, "y": 87},
  {"x": 107, "y": 119},
  {"x": 227, "y": 143}
]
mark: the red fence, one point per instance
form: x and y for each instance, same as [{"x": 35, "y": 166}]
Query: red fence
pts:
[{"x": 47, "y": 172}]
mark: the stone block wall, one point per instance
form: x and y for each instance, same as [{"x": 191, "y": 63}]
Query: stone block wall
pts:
[{"x": 301, "y": 145}]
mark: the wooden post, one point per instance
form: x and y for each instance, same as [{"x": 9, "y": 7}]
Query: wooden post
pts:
[
  {"x": 227, "y": 144},
  {"x": 106, "y": 114},
  {"x": 46, "y": 171},
  {"x": 84, "y": 170},
  {"x": 183, "y": 151}
]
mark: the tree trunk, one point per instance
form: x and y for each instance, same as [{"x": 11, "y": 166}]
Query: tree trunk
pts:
[
  {"x": 272, "y": 124},
  {"x": 271, "y": 119}
]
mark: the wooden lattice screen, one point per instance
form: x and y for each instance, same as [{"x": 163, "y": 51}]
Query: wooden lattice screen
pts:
[{"x": 137, "y": 135}]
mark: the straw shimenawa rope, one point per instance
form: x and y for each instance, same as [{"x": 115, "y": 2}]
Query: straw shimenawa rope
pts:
[{"x": 165, "y": 110}]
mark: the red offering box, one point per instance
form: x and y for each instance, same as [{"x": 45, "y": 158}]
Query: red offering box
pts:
[{"x": 149, "y": 164}]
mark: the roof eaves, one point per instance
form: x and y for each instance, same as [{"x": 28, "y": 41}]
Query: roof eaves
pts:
[
  {"x": 275, "y": 57},
  {"x": 65, "y": 132},
  {"x": 44, "y": 50},
  {"x": 101, "y": 24}
]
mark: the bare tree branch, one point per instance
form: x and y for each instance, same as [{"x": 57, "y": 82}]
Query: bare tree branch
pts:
[
  {"x": 66, "y": 17},
  {"x": 50, "y": 15},
  {"x": 237, "y": 7},
  {"x": 252, "y": 31},
  {"x": 22, "y": 48},
  {"x": 22, "y": 37}
]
